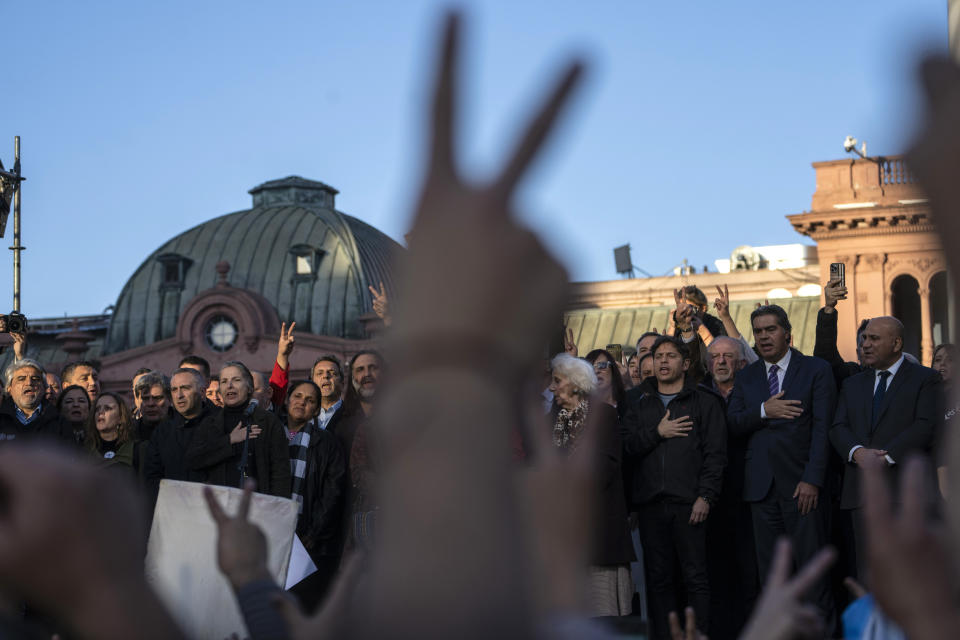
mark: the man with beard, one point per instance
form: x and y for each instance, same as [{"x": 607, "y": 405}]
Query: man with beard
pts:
[
  {"x": 153, "y": 389},
  {"x": 318, "y": 470},
  {"x": 354, "y": 434},
  {"x": 168, "y": 444},
  {"x": 724, "y": 358},
  {"x": 731, "y": 559},
  {"x": 23, "y": 413},
  {"x": 364, "y": 374}
]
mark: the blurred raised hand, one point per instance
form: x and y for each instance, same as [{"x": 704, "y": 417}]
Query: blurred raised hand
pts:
[
  {"x": 477, "y": 295},
  {"x": 498, "y": 286},
  {"x": 381, "y": 305},
  {"x": 911, "y": 571},
  {"x": 72, "y": 542},
  {"x": 241, "y": 545},
  {"x": 780, "y": 613},
  {"x": 935, "y": 159}
]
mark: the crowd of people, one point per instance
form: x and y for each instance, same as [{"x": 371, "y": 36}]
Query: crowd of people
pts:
[{"x": 452, "y": 485}]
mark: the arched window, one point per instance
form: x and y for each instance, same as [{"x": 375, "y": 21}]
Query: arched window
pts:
[
  {"x": 905, "y": 305},
  {"x": 939, "y": 309}
]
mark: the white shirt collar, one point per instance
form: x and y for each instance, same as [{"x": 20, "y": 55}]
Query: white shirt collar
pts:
[
  {"x": 783, "y": 363},
  {"x": 892, "y": 368},
  {"x": 336, "y": 405}
]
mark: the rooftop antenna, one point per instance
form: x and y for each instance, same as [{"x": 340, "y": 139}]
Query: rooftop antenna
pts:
[{"x": 10, "y": 192}]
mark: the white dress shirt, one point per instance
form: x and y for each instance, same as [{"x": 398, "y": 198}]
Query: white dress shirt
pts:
[
  {"x": 783, "y": 363},
  {"x": 876, "y": 382},
  {"x": 323, "y": 419}
]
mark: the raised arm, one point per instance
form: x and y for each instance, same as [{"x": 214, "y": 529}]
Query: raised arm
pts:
[
  {"x": 825, "y": 346},
  {"x": 722, "y": 305},
  {"x": 280, "y": 376}
]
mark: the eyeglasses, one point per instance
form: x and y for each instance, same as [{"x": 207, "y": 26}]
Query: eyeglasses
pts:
[{"x": 600, "y": 366}]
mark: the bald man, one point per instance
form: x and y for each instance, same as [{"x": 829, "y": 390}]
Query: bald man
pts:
[{"x": 883, "y": 415}]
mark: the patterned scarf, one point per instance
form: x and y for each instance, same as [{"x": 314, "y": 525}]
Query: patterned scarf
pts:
[
  {"x": 299, "y": 444},
  {"x": 569, "y": 426}
]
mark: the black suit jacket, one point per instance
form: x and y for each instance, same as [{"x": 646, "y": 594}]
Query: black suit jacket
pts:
[
  {"x": 787, "y": 451},
  {"x": 909, "y": 420}
]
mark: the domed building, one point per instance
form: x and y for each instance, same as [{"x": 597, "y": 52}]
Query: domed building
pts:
[{"x": 222, "y": 289}]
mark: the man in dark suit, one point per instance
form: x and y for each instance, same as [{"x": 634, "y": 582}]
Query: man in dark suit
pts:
[
  {"x": 783, "y": 405},
  {"x": 883, "y": 415}
]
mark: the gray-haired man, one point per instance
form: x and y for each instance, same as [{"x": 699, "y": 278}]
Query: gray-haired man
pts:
[{"x": 23, "y": 412}]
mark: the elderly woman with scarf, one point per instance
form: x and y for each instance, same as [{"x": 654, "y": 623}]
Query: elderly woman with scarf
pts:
[{"x": 572, "y": 382}]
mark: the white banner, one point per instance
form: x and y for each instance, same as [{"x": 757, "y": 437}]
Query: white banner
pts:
[{"x": 182, "y": 555}]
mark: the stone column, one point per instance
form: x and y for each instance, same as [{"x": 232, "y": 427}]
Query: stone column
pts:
[{"x": 926, "y": 328}]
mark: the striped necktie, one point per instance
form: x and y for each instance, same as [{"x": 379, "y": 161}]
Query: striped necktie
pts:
[{"x": 773, "y": 381}]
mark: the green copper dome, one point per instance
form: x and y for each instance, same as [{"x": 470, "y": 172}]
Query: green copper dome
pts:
[{"x": 310, "y": 261}]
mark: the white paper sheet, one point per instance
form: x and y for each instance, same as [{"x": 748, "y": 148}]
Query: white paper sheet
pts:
[
  {"x": 182, "y": 555},
  {"x": 301, "y": 565}
]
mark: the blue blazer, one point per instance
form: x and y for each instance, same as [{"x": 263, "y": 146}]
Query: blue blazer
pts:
[
  {"x": 788, "y": 451},
  {"x": 910, "y": 420}
]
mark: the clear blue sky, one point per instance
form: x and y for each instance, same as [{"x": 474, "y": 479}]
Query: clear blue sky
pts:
[{"x": 694, "y": 133}]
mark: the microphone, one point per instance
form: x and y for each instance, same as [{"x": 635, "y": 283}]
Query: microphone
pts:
[{"x": 245, "y": 454}]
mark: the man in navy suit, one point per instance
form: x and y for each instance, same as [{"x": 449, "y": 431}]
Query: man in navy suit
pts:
[
  {"x": 883, "y": 415},
  {"x": 783, "y": 404}
]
